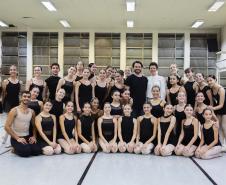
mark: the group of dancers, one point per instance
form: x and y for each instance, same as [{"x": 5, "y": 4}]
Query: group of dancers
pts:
[{"x": 117, "y": 111}]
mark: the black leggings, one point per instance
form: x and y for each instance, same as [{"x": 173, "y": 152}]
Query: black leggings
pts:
[{"x": 26, "y": 150}]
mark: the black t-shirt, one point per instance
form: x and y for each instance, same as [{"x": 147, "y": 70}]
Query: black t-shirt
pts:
[
  {"x": 138, "y": 88},
  {"x": 51, "y": 83}
]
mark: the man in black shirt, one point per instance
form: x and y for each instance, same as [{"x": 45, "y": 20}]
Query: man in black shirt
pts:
[
  {"x": 137, "y": 84},
  {"x": 52, "y": 81}
]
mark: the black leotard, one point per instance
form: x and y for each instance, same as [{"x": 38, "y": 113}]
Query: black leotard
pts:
[
  {"x": 157, "y": 110},
  {"x": 68, "y": 87},
  {"x": 188, "y": 135},
  {"x": 191, "y": 94},
  {"x": 179, "y": 117},
  {"x": 47, "y": 127},
  {"x": 146, "y": 130},
  {"x": 100, "y": 93},
  {"x": 107, "y": 128},
  {"x": 69, "y": 126},
  {"x": 12, "y": 96},
  {"x": 164, "y": 127},
  {"x": 209, "y": 135},
  {"x": 86, "y": 126},
  {"x": 34, "y": 105},
  {"x": 216, "y": 101},
  {"x": 127, "y": 127},
  {"x": 116, "y": 110},
  {"x": 85, "y": 94}
]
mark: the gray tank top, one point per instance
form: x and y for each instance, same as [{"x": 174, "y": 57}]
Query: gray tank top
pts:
[{"x": 21, "y": 122}]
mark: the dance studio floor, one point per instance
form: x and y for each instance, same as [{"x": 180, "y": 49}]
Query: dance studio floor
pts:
[{"x": 108, "y": 169}]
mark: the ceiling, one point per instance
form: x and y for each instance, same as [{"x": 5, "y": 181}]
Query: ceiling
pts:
[{"x": 112, "y": 14}]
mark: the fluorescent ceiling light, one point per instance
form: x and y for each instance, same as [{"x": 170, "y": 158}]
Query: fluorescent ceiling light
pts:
[
  {"x": 2, "y": 24},
  {"x": 197, "y": 23},
  {"x": 130, "y": 6},
  {"x": 49, "y": 5},
  {"x": 130, "y": 24},
  {"x": 65, "y": 23},
  {"x": 216, "y": 6}
]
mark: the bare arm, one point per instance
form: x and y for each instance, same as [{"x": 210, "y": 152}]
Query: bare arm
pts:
[
  {"x": 54, "y": 128},
  {"x": 215, "y": 141},
  {"x": 99, "y": 122},
  {"x": 75, "y": 130},
  {"x": 222, "y": 99},
  {"x": 155, "y": 122},
  {"x": 115, "y": 130},
  {"x": 62, "y": 127},
  {"x": 196, "y": 130},
  {"x": 134, "y": 130},
  {"x": 169, "y": 130},
  {"x": 76, "y": 95},
  {"x": 9, "y": 122},
  {"x": 39, "y": 128},
  {"x": 181, "y": 137},
  {"x": 120, "y": 129},
  {"x": 80, "y": 133}
]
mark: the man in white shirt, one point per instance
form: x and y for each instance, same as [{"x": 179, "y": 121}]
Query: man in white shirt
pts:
[{"x": 155, "y": 79}]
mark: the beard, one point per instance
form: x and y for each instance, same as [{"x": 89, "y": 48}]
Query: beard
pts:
[{"x": 137, "y": 71}]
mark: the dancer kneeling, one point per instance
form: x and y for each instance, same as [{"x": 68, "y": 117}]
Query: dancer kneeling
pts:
[
  {"x": 147, "y": 130},
  {"x": 189, "y": 139},
  {"x": 166, "y": 136},
  {"x": 127, "y": 130},
  {"x": 86, "y": 130},
  {"x": 46, "y": 126},
  {"x": 68, "y": 137},
  {"x": 107, "y": 128},
  {"x": 209, "y": 146}
]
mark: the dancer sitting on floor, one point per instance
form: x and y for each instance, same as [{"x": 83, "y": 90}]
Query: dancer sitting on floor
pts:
[
  {"x": 127, "y": 130},
  {"x": 86, "y": 132},
  {"x": 68, "y": 137},
  {"x": 17, "y": 126},
  {"x": 107, "y": 129},
  {"x": 147, "y": 131},
  {"x": 209, "y": 146}
]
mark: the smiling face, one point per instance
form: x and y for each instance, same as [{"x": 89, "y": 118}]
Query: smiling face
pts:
[
  {"x": 102, "y": 74},
  {"x": 188, "y": 111},
  {"x": 207, "y": 114},
  {"x": 93, "y": 68},
  {"x": 127, "y": 110},
  {"x": 147, "y": 108},
  {"x": 34, "y": 92},
  {"x": 47, "y": 107},
  {"x": 155, "y": 92},
  {"x": 86, "y": 73},
  {"x": 126, "y": 95},
  {"x": 200, "y": 97},
  {"x": 69, "y": 107},
  {"x": 25, "y": 98},
  {"x": 181, "y": 97},
  {"x": 189, "y": 74},
  {"x": 71, "y": 71},
  {"x": 95, "y": 103},
  {"x": 87, "y": 108},
  {"x": 60, "y": 94},
  {"x": 109, "y": 71},
  {"x": 118, "y": 77},
  {"x": 37, "y": 71},
  {"x": 153, "y": 70},
  {"x": 107, "y": 108},
  {"x": 211, "y": 82},
  {"x": 116, "y": 96},
  {"x": 137, "y": 68},
  {"x": 199, "y": 77},
  {"x": 13, "y": 71},
  {"x": 168, "y": 109}
]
